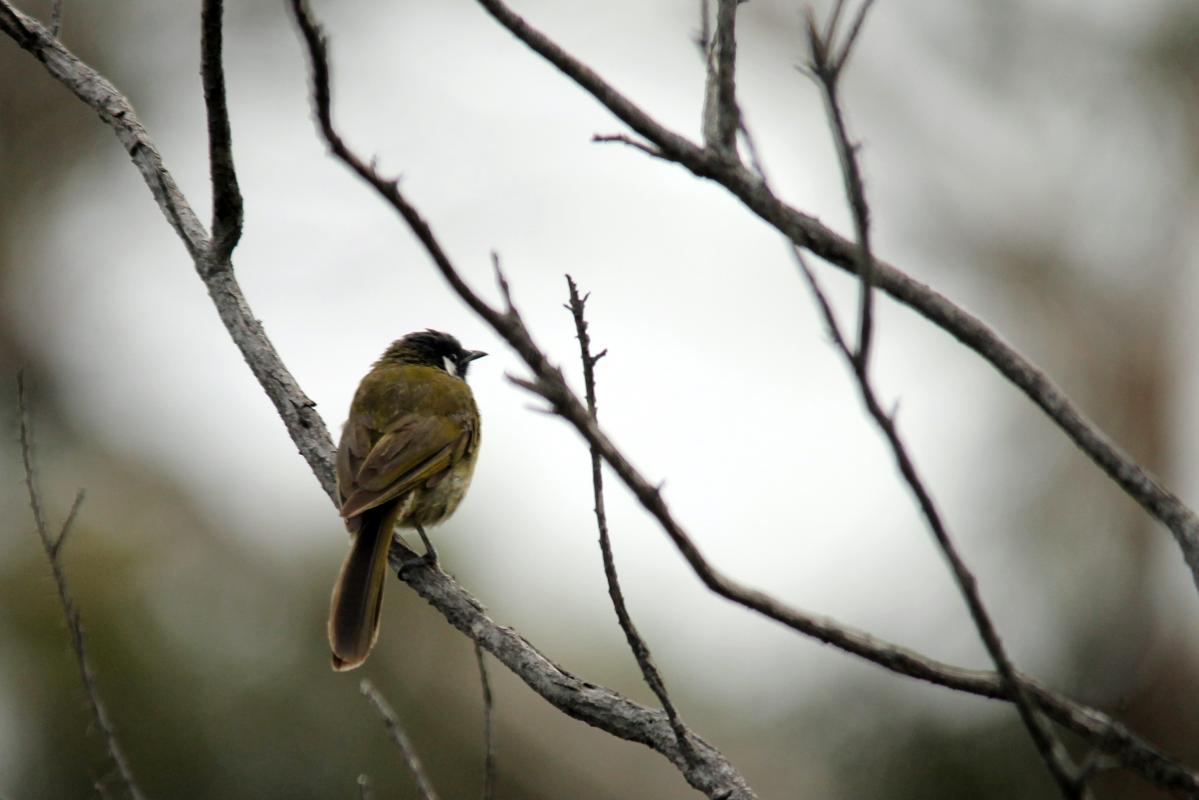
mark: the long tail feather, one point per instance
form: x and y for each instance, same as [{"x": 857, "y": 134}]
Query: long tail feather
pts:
[{"x": 358, "y": 593}]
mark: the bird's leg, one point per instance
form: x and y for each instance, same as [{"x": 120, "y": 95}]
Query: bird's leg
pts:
[{"x": 430, "y": 558}]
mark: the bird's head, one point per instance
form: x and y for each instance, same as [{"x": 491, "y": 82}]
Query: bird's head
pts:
[{"x": 432, "y": 349}]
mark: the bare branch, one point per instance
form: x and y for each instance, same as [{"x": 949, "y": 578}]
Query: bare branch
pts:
[
  {"x": 806, "y": 231},
  {"x": 396, "y": 731},
  {"x": 226, "y": 196},
  {"x": 637, "y": 644},
  {"x": 365, "y": 790},
  {"x": 488, "y": 727},
  {"x": 52, "y": 546}
]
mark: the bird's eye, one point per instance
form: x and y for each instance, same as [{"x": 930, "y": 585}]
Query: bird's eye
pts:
[{"x": 451, "y": 366}]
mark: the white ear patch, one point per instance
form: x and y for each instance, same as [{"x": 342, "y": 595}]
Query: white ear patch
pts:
[{"x": 451, "y": 366}]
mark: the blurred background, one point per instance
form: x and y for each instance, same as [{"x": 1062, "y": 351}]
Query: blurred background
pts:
[{"x": 1038, "y": 162}]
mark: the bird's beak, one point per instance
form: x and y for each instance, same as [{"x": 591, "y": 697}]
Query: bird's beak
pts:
[{"x": 473, "y": 355}]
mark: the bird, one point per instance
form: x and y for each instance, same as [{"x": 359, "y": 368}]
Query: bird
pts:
[{"x": 405, "y": 460}]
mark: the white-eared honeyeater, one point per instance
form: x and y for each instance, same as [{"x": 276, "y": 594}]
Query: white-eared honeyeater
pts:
[{"x": 405, "y": 460}]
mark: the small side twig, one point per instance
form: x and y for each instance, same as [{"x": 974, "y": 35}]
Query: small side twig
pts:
[
  {"x": 488, "y": 726},
  {"x": 395, "y": 730},
  {"x": 227, "y": 211},
  {"x": 649, "y": 671},
  {"x": 721, "y": 115},
  {"x": 365, "y": 790},
  {"x": 56, "y": 19},
  {"x": 827, "y": 60},
  {"x": 703, "y": 37},
  {"x": 53, "y": 547}
]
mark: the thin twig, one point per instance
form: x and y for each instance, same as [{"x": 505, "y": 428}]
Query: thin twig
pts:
[
  {"x": 808, "y": 232},
  {"x": 488, "y": 726},
  {"x": 66, "y": 526},
  {"x": 227, "y": 210},
  {"x": 52, "y": 547},
  {"x": 825, "y": 67},
  {"x": 365, "y": 790},
  {"x": 703, "y": 37},
  {"x": 56, "y": 19},
  {"x": 465, "y": 614},
  {"x": 649, "y": 671},
  {"x": 625, "y": 139},
  {"x": 395, "y": 730}
]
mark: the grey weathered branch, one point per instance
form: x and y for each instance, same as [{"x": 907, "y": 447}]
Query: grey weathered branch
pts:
[{"x": 806, "y": 231}]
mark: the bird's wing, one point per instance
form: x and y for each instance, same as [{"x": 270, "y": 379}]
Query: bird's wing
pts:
[{"x": 415, "y": 450}]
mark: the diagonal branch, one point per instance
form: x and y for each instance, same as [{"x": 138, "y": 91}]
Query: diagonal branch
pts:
[
  {"x": 807, "y": 232},
  {"x": 53, "y": 547},
  {"x": 637, "y": 644},
  {"x": 395, "y": 730}
]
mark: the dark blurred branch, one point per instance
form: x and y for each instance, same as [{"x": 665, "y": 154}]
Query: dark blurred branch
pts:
[
  {"x": 827, "y": 60},
  {"x": 53, "y": 547},
  {"x": 488, "y": 727},
  {"x": 649, "y": 671},
  {"x": 226, "y": 196},
  {"x": 1048, "y": 746},
  {"x": 395, "y": 730},
  {"x": 807, "y": 232},
  {"x": 602, "y": 707}
]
